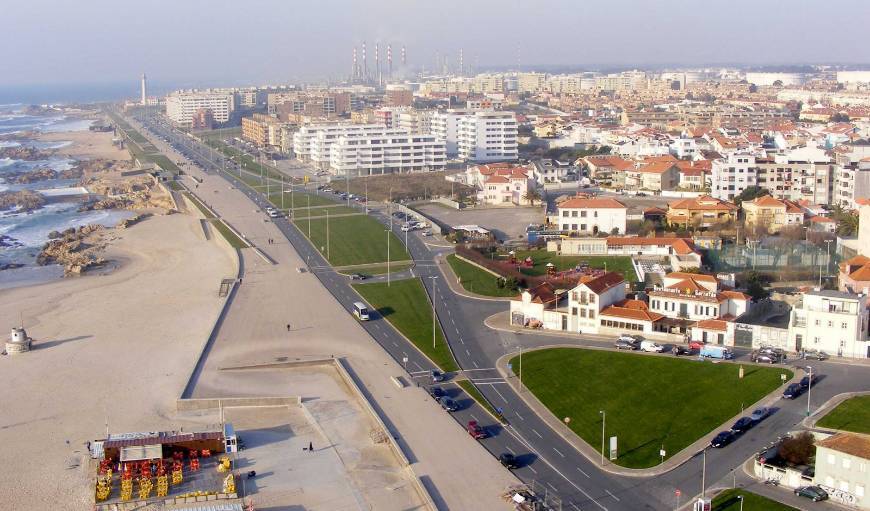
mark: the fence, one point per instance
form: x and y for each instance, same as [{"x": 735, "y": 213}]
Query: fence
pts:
[{"x": 773, "y": 254}]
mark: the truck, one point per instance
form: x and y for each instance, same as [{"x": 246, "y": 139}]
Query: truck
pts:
[{"x": 713, "y": 351}]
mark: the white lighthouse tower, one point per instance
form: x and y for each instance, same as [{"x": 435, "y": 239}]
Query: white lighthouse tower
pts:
[{"x": 144, "y": 91}]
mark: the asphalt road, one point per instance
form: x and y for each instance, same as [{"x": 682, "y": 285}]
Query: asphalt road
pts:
[{"x": 547, "y": 459}]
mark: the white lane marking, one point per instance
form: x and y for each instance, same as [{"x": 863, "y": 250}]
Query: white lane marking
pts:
[
  {"x": 468, "y": 353},
  {"x": 418, "y": 367},
  {"x": 499, "y": 394},
  {"x": 479, "y": 382},
  {"x": 454, "y": 323},
  {"x": 575, "y": 507},
  {"x": 559, "y": 453},
  {"x": 535, "y": 431},
  {"x": 449, "y": 313},
  {"x": 475, "y": 418},
  {"x": 612, "y": 495},
  {"x": 520, "y": 416},
  {"x": 553, "y": 487},
  {"x": 475, "y": 363},
  {"x": 533, "y": 469},
  {"x": 584, "y": 473},
  {"x": 511, "y": 451}
]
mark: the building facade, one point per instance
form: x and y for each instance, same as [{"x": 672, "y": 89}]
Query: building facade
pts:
[
  {"x": 590, "y": 216},
  {"x": 181, "y": 106},
  {"x": 832, "y": 321}
]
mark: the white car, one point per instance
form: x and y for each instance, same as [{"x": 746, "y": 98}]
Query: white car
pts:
[
  {"x": 651, "y": 347},
  {"x": 406, "y": 228}
]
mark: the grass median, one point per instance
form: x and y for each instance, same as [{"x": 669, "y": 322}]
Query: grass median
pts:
[
  {"x": 728, "y": 501},
  {"x": 475, "y": 394},
  {"x": 852, "y": 414},
  {"x": 476, "y": 280},
  {"x": 651, "y": 402},
  {"x": 405, "y": 305},
  {"x": 353, "y": 240}
]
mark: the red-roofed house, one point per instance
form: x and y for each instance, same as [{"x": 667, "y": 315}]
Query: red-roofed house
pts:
[
  {"x": 695, "y": 297},
  {"x": 654, "y": 174},
  {"x": 701, "y": 212},
  {"x": 855, "y": 275},
  {"x": 592, "y": 215},
  {"x": 507, "y": 185},
  {"x": 823, "y": 224},
  {"x": 772, "y": 214},
  {"x": 537, "y": 308},
  {"x": 693, "y": 175},
  {"x": 591, "y": 296}
]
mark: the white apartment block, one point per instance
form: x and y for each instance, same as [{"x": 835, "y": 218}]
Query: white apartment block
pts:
[
  {"x": 367, "y": 149},
  {"x": 590, "y": 216},
  {"x": 733, "y": 175},
  {"x": 415, "y": 121},
  {"x": 389, "y": 151},
  {"x": 852, "y": 177},
  {"x": 531, "y": 82},
  {"x": 831, "y": 321},
  {"x": 696, "y": 297},
  {"x": 805, "y": 173},
  {"x": 182, "y": 105},
  {"x": 843, "y": 468},
  {"x": 480, "y": 136}
]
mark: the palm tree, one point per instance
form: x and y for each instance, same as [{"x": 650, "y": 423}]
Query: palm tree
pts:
[{"x": 532, "y": 196}]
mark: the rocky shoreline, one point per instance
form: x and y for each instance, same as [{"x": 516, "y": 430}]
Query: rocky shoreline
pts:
[{"x": 23, "y": 200}]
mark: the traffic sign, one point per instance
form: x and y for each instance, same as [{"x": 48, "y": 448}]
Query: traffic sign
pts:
[{"x": 677, "y": 492}]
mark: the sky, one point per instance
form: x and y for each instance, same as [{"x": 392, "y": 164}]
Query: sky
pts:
[{"x": 181, "y": 43}]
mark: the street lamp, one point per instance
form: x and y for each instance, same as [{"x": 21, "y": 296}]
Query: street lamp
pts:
[
  {"x": 434, "y": 318},
  {"x": 603, "y": 422},
  {"x": 388, "y": 255},
  {"x": 740, "y": 497},
  {"x": 809, "y": 389}
]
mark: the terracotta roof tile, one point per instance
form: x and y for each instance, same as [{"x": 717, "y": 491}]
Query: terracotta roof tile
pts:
[
  {"x": 849, "y": 443},
  {"x": 596, "y": 203},
  {"x": 604, "y": 282},
  {"x": 627, "y": 313},
  {"x": 712, "y": 324}
]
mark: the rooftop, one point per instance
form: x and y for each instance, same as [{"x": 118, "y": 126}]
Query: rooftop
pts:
[{"x": 850, "y": 443}]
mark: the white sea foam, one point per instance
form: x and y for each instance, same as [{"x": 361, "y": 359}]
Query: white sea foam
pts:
[
  {"x": 5, "y": 162},
  {"x": 9, "y": 143}
]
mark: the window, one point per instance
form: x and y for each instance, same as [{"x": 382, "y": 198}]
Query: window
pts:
[
  {"x": 830, "y": 324},
  {"x": 818, "y": 322},
  {"x": 846, "y": 462},
  {"x": 844, "y": 325},
  {"x": 844, "y": 485},
  {"x": 859, "y": 490},
  {"x": 832, "y": 460}
]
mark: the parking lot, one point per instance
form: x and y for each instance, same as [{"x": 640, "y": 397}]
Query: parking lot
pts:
[{"x": 505, "y": 223}]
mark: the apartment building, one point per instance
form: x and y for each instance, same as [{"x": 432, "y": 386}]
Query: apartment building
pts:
[
  {"x": 323, "y": 104},
  {"x": 802, "y": 174},
  {"x": 477, "y": 136},
  {"x": 702, "y": 212},
  {"x": 732, "y": 175},
  {"x": 398, "y": 96},
  {"x": 531, "y": 83},
  {"x": 655, "y": 176},
  {"x": 202, "y": 120},
  {"x": 832, "y": 321},
  {"x": 852, "y": 176},
  {"x": 181, "y": 106},
  {"x": 368, "y": 149},
  {"x": 262, "y": 130},
  {"x": 843, "y": 468},
  {"x": 772, "y": 215},
  {"x": 590, "y": 216},
  {"x": 546, "y": 171},
  {"x": 697, "y": 297}
]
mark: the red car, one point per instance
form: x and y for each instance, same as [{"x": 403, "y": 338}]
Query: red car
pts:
[
  {"x": 696, "y": 345},
  {"x": 475, "y": 430}
]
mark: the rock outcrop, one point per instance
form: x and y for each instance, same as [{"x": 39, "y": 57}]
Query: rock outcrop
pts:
[
  {"x": 24, "y": 200},
  {"x": 75, "y": 249},
  {"x": 25, "y": 153}
]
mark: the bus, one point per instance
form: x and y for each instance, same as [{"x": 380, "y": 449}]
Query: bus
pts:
[{"x": 361, "y": 311}]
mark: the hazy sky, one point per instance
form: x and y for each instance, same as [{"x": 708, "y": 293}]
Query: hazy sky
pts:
[{"x": 272, "y": 41}]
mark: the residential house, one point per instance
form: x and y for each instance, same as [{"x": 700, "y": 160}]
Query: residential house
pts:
[
  {"x": 537, "y": 308},
  {"x": 832, "y": 321},
  {"x": 772, "y": 215},
  {"x": 655, "y": 176},
  {"x": 630, "y": 316},
  {"x": 589, "y": 216},
  {"x": 681, "y": 253},
  {"x": 854, "y": 275},
  {"x": 822, "y": 224},
  {"x": 607, "y": 168},
  {"x": 592, "y": 295},
  {"x": 501, "y": 190},
  {"x": 546, "y": 171},
  {"x": 843, "y": 468},
  {"x": 696, "y": 297},
  {"x": 702, "y": 212},
  {"x": 694, "y": 175}
]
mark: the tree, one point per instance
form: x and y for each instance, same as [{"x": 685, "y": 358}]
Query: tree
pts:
[
  {"x": 751, "y": 193},
  {"x": 755, "y": 286},
  {"x": 847, "y": 221},
  {"x": 840, "y": 117},
  {"x": 799, "y": 449},
  {"x": 777, "y": 83},
  {"x": 532, "y": 196},
  {"x": 753, "y": 88}
]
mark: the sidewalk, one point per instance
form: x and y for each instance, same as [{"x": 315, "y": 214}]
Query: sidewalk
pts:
[{"x": 591, "y": 453}]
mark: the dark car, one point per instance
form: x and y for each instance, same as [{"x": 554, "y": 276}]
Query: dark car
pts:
[
  {"x": 625, "y": 344},
  {"x": 813, "y": 493},
  {"x": 357, "y": 276},
  {"x": 722, "y": 439},
  {"x": 815, "y": 354},
  {"x": 764, "y": 358},
  {"x": 681, "y": 350},
  {"x": 436, "y": 376},
  {"x": 449, "y": 404},
  {"x": 760, "y": 414},
  {"x": 792, "y": 391},
  {"x": 742, "y": 425},
  {"x": 807, "y": 380},
  {"x": 508, "y": 460},
  {"x": 437, "y": 393}
]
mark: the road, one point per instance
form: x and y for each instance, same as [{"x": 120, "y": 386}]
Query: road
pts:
[{"x": 547, "y": 459}]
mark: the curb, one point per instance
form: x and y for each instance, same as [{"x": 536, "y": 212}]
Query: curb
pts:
[
  {"x": 457, "y": 288},
  {"x": 830, "y": 404},
  {"x": 582, "y": 447}
]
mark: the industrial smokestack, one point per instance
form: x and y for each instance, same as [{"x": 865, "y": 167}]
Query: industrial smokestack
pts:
[
  {"x": 390, "y": 60},
  {"x": 354, "y": 72},
  {"x": 144, "y": 90},
  {"x": 365, "y": 66},
  {"x": 404, "y": 62}
]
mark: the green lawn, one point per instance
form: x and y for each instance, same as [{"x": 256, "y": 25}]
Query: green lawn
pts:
[
  {"x": 353, "y": 240},
  {"x": 199, "y": 205},
  {"x": 405, "y": 305},
  {"x": 852, "y": 414},
  {"x": 650, "y": 401},
  {"x": 323, "y": 211},
  {"x": 475, "y": 280},
  {"x": 300, "y": 200},
  {"x": 621, "y": 264},
  {"x": 728, "y": 501}
]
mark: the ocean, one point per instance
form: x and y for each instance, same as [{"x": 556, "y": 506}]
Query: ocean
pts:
[{"x": 22, "y": 235}]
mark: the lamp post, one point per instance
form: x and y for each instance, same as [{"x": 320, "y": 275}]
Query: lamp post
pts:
[
  {"x": 603, "y": 422},
  {"x": 327, "y": 234},
  {"x": 434, "y": 318},
  {"x": 704, "y": 473},
  {"x": 388, "y": 256},
  {"x": 809, "y": 389},
  {"x": 827, "y": 262},
  {"x": 740, "y": 497}
]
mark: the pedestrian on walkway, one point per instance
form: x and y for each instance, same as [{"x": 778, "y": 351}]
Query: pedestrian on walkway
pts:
[
  {"x": 310, "y": 447},
  {"x": 288, "y": 327}
]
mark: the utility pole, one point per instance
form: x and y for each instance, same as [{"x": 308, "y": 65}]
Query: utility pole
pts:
[
  {"x": 704, "y": 474},
  {"x": 434, "y": 318},
  {"x": 309, "y": 217},
  {"x": 603, "y": 423},
  {"x": 388, "y": 255},
  {"x": 327, "y": 234}
]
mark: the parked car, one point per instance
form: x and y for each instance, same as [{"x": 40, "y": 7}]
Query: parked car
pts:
[
  {"x": 651, "y": 347},
  {"x": 427, "y": 232},
  {"x": 508, "y": 461},
  {"x": 629, "y": 338},
  {"x": 742, "y": 425},
  {"x": 625, "y": 344},
  {"x": 813, "y": 493},
  {"x": 760, "y": 414},
  {"x": 809, "y": 379},
  {"x": 713, "y": 351},
  {"x": 274, "y": 214},
  {"x": 448, "y": 404},
  {"x": 475, "y": 430},
  {"x": 722, "y": 439},
  {"x": 357, "y": 276},
  {"x": 764, "y": 358},
  {"x": 681, "y": 350},
  {"x": 815, "y": 355},
  {"x": 792, "y": 391},
  {"x": 406, "y": 228},
  {"x": 437, "y": 393},
  {"x": 436, "y": 376},
  {"x": 696, "y": 345}
]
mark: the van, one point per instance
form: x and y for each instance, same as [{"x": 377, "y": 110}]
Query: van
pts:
[
  {"x": 361, "y": 311},
  {"x": 650, "y": 346}
]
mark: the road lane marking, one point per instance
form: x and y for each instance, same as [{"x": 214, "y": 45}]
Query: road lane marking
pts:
[
  {"x": 533, "y": 469},
  {"x": 559, "y": 453},
  {"x": 582, "y": 472},
  {"x": 475, "y": 363},
  {"x": 535, "y": 431},
  {"x": 468, "y": 353},
  {"x": 612, "y": 495},
  {"x": 499, "y": 394},
  {"x": 553, "y": 487},
  {"x": 575, "y": 506}
]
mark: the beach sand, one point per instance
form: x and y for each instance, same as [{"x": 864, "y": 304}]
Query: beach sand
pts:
[
  {"x": 86, "y": 145},
  {"x": 116, "y": 347}
]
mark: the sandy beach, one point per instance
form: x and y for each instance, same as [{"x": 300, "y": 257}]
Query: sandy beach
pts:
[
  {"x": 86, "y": 145},
  {"x": 93, "y": 335}
]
